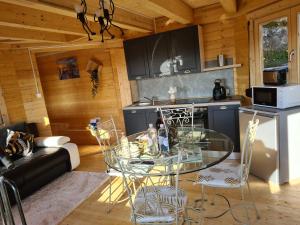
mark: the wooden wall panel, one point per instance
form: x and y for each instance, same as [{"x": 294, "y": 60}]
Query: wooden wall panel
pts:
[
  {"x": 10, "y": 88},
  {"x": 35, "y": 108},
  {"x": 70, "y": 103},
  {"x": 16, "y": 80}
]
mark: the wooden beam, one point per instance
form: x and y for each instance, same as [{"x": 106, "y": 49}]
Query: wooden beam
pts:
[
  {"x": 173, "y": 9},
  {"x": 122, "y": 17},
  {"x": 230, "y": 6},
  {"x": 32, "y": 35},
  {"x": 72, "y": 47},
  {"x": 14, "y": 16}
]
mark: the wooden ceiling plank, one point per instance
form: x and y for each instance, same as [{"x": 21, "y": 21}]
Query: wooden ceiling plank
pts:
[
  {"x": 200, "y": 3},
  {"x": 29, "y": 35},
  {"x": 173, "y": 9},
  {"x": 230, "y": 6},
  {"x": 122, "y": 17}
]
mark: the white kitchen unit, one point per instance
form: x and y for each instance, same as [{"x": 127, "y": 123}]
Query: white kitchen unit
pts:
[{"x": 276, "y": 150}]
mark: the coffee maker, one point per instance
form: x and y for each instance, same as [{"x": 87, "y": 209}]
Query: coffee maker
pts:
[{"x": 219, "y": 92}]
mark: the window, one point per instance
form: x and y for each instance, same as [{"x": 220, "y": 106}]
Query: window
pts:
[{"x": 275, "y": 43}]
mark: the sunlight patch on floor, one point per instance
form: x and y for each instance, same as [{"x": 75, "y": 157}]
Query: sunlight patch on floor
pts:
[
  {"x": 117, "y": 192},
  {"x": 274, "y": 188}
]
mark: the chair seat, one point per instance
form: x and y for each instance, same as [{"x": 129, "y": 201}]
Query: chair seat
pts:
[
  {"x": 156, "y": 204},
  {"x": 225, "y": 175},
  {"x": 140, "y": 169}
]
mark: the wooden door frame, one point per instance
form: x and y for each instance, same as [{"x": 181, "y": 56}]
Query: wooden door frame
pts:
[
  {"x": 256, "y": 50},
  {"x": 295, "y": 11}
]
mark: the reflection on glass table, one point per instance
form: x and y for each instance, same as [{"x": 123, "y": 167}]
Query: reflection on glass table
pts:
[{"x": 199, "y": 149}]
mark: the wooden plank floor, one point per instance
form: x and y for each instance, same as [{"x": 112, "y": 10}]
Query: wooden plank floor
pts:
[{"x": 276, "y": 206}]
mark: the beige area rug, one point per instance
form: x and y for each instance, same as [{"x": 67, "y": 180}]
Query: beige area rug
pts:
[{"x": 52, "y": 203}]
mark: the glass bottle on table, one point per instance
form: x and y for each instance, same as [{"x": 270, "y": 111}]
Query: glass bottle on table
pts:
[
  {"x": 124, "y": 145},
  {"x": 152, "y": 142},
  {"x": 163, "y": 139}
]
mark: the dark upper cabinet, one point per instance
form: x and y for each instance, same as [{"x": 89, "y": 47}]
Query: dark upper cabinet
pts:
[
  {"x": 172, "y": 52},
  {"x": 185, "y": 48},
  {"x": 225, "y": 119},
  {"x": 158, "y": 47},
  {"x": 136, "y": 58}
]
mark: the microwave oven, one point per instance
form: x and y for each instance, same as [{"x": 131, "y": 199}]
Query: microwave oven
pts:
[{"x": 280, "y": 97}]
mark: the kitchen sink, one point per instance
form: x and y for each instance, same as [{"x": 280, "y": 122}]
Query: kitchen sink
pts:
[{"x": 143, "y": 103}]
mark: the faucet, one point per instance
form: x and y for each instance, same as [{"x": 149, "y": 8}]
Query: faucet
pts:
[{"x": 152, "y": 100}]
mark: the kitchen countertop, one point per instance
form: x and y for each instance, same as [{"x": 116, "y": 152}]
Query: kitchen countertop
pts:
[
  {"x": 267, "y": 110},
  {"x": 231, "y": 100}
]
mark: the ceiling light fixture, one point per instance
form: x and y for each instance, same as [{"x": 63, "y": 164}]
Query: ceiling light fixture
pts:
[
  {"x": 103, "y": 15},
  {"x": 81, "y": 11}
]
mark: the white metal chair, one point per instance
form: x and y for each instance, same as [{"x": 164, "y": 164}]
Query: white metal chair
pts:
[
  {"x": 154, "y": 204},
  {"x": 176, "y": 118},
  {"x": 232, "y": 174},
  {"x": 108, "y": 136}
]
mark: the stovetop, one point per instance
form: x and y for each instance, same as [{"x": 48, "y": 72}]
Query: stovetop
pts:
[{"x": 192, "y": 100}]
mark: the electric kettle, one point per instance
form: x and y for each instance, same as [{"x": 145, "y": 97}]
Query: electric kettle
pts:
[{"x": 219, "y": 92}]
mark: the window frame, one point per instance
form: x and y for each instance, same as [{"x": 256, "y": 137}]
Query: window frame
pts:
[{"x": 257, "y": 55}]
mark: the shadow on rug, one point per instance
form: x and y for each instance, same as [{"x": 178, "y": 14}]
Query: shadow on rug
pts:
[{"x": 52, "y": 203}]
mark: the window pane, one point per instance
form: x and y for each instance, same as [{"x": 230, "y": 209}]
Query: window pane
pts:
[{"x": 275, "y": 43}]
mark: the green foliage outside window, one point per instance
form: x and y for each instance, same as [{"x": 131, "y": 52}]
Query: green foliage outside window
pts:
[
  {"x": 273, "y": 58},
  {"x": 275, "y": 43}
]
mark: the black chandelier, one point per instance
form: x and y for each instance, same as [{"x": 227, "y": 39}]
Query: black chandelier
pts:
[{"x": 104, "y": 16}]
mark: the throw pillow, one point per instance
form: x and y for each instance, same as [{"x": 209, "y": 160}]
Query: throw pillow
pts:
[{"x": 19, "y": 144}]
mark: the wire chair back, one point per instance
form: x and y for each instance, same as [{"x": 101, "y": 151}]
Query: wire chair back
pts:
[
  {"x": 107, "y": 134},
  {"x": 247, "y": 148},
  {"x": 153, "y": 203},
  {"x": 175, "y": 119}
]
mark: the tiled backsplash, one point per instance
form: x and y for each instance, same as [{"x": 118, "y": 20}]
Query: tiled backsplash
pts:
[{"x": 188, "y": 86}]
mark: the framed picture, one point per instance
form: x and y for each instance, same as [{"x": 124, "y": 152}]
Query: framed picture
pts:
[{"x": 68, "y": 68}]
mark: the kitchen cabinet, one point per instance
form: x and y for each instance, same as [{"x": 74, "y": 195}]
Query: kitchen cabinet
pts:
[
  {"x": 152, "y": 115},
  {"x": 225, "y": 119},
  {"x": 185, "y": 48},
  {"x": 172, "y": 52},
  {"x": 138, "y": 120},
  {"x": 158, "y": 46},
  {"x": 136, "y": 58},
  {"x": 135, "y": 121}
]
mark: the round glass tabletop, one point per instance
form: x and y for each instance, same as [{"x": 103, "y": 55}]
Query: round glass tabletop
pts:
[{"x": 194, "y": 149}]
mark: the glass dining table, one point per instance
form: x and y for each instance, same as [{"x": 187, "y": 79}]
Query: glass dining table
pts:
[{"x": 199, "y": 149}]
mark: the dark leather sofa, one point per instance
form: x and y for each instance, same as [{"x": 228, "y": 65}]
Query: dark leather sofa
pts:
[{"x": 32, "y": 172}]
